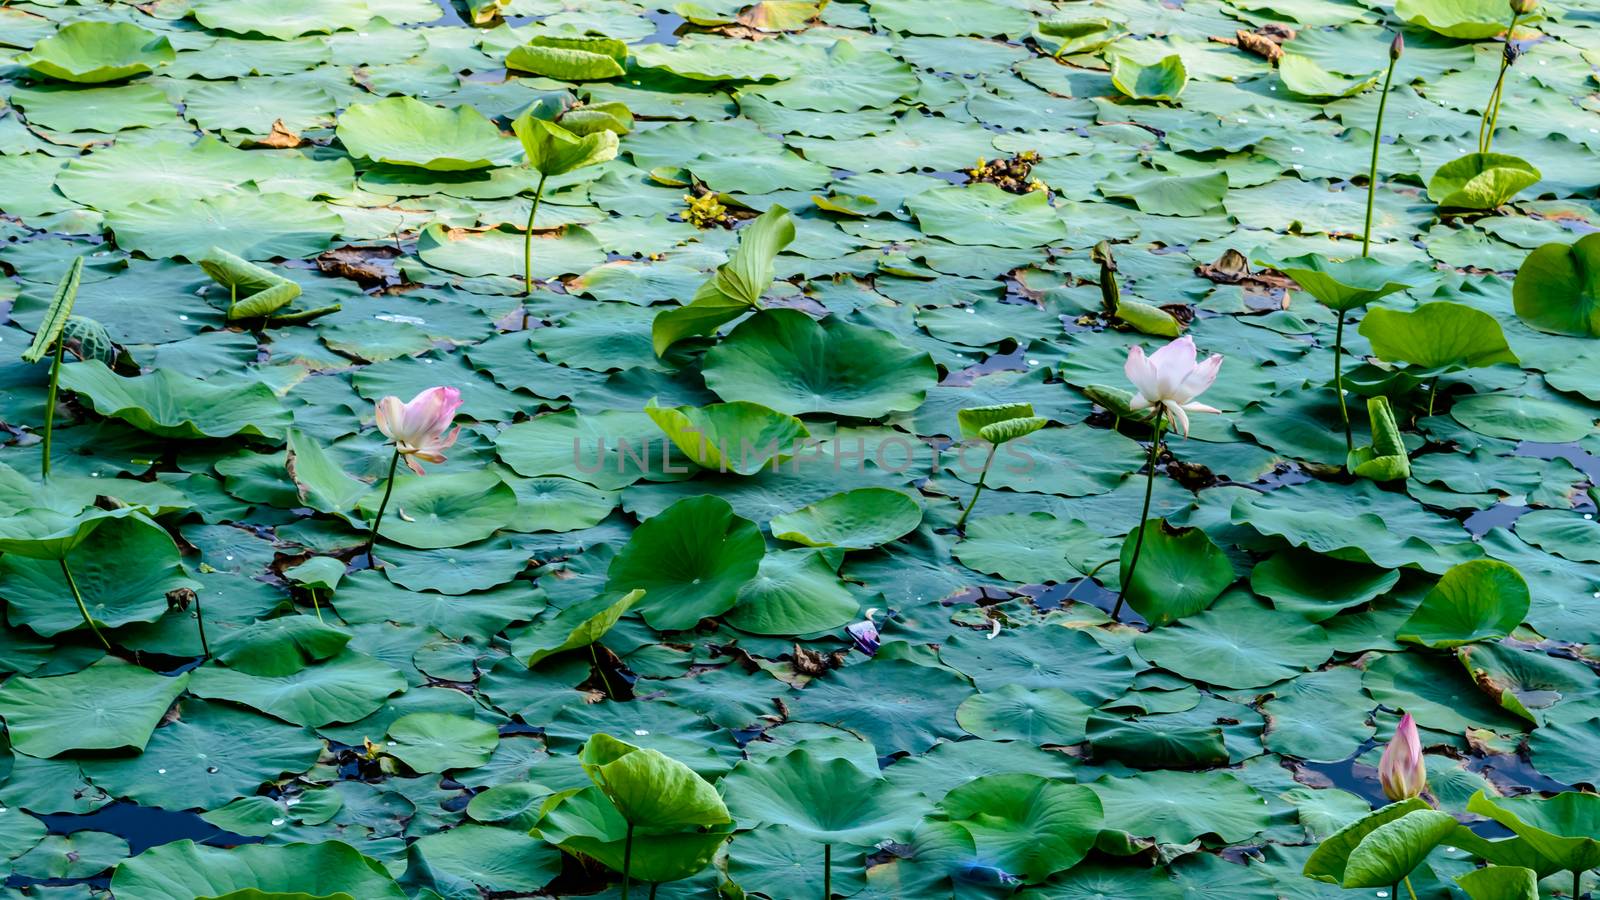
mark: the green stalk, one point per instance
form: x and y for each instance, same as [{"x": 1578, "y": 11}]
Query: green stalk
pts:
[
  {"x": 1089, "y": 577},
  {"x": 1372, "y": 170},
  {"x": 1409, "y": 889},
  {"x": 961, "y": 523},
  {"x": 527, "y": 241},
  {"x": 378, "y": 520},
  {"x": 72, "y": 583},
  {"x": 313, "y": 591},
  {"x": 627, "y": 860},
  {"x": 200, "y": 620},
  {"x": 1338, "y": 381},
  {"x": 827, "y": 872},
  {"x": 50, "y": 403},
  {"x": 1149, "y": 488},
  {"x": 1577, "y": 883},
  {"x": 1491, "y": 110},
  {"x": 594, "y": 655}
]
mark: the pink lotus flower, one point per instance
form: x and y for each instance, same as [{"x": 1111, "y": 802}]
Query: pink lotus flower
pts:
[
  {"x": 418, "y": 428},
  {"x": 1171, "y": 379},
  {"x": 1401, "y": 771}
]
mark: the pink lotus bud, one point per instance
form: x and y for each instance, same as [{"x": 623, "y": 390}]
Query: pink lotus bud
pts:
[
  {"x": 1401, "y": 770},
  {"x": 1524, "y": 7},
  {"x": 1397, "y": 46},
  {"x": 418, "y": 427}
]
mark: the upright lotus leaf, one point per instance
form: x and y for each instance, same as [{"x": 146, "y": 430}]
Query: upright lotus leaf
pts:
[
  {"x": 795, "y": 592},
  {"x": 582, "y": 58},
  {"x": 39, "y": 533},
  {"x": 254, "y": 292},
  {"x": 56, "y": 314},
  {"x": 1349, "y": 283},
  {"x": 1392, "y": 850},
  {"x": 578, "y": 625},
  {"x": 736, "y": 286},
  {"x": 552, "y": 149},
  {"x": 1076, "y": 35},
  {"x": 785, "y": 360},
  {"x": 1163, "y": 79},
  {"x": 650, "y": 789},
  {"x": 1030, "y": 826},
  {"x": 1478, "y": 600},
  {"x": 94, "y": 52},
  {"x": 611, "y": 115},
  {"x": 736, "y": 437},
  {"x": 1181, "y": 572},
  {"x": 318, "y": 480},
  {"x": 828, "y": 800},
  {"x": 111, "y": 705},
  {"x": 854, "y": 520},
  {"x": 171, "y": 405},
  {"x": 1558, "y": 288},
  {"x": 404, "y": 131},
  {"x": 1481, "y": 180},
  {"x": 1437, "y": 337},
  {"x": 1564, "y": 829},
  {"x": 587, "y": 824},
  {"x": 1471, "y": 20},
  {"x": 184, "y": 870},
  {"x": 1500, "y": 883},
  {"x": 690, "y": 560},
  {"x": 1330, "y": 861},
  {"x": 998, "y": 423},
  {"x": 1385, "y": 459}
]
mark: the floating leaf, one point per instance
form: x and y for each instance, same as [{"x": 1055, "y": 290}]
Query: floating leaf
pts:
[
  {"x": 404, "y": 131},
  {"x": 690, "y": 561},
  {"x": 1163, "y": 79},
  {"x": 1181, "y": 570},
  {"x": 855, "y": 520},
  {"x": 1476, "y": 601},
  {"x": 583, "y": 58},
  {"x": 93, "y": 52}
]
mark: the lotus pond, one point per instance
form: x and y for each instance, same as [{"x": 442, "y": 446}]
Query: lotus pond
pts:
[{"x": 883, "y": 449}]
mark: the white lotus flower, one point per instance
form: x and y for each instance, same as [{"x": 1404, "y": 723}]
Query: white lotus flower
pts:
[{"x": 1171, "y": 379}]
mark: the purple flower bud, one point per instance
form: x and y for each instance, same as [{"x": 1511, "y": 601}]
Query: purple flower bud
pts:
[
  {"x": 1397, "y": 46},
  {"x": 1524, "y": 7}
]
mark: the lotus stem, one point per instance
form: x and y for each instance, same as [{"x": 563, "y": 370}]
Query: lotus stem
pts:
[
  {"x": 200, "y": 620},
  {"x": 313, "y": 591},
  {"x": 1409, "y": 889},
  {"x": 50, "y": 404},
  {"x": 1372, "y": 173},
  {"x": 1491, "y": 110},
  {"x": 961, "y": 523},
  {"x": 627, "y": 860},
  {"x": 527, "y": 241},
  {"x": 653, "y": 887},
  {"x": 1149, "y": 489},
  {"x": 1433, "y": 391},
  {"x": 233, "y": 300},
  {"x": 827, "y": 872},
  {"x": 1338, "y": 377},
  {"x": 72, "y": 584},
  {"x": 594, "y": 655},
  {"x": 377, "y": 520},
  {"x": 1577, "y": 884},
  {"x": 1089, "y": 577}
]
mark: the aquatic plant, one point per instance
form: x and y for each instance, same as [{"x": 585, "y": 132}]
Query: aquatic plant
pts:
[
  {"x": 553, "y": 150},
  {"x": 994, "y": 425},
  {"x": 420, "y": 430},
  {"x": 50, "y": 339}
]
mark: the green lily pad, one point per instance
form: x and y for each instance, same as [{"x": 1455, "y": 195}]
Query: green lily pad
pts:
[
  {"x": 854, "y": 520},
  {"x": 787, "y": 361},
  {"x": 431, "y": 512},
  {"x": 826, "y": 800},
  {"x": 1465, "y": 19},
  {"x": 184, "y": 870},
  {"x": 1237, "y": 646},
  {"x": 94, "y": 52},
  {"x": 108, "y": 706},
  {"x": 1476, "y": 601},
  {"x": 1481, "y": 180},
  {"x": 434, "y": 742},
  {"x": 1437, "y": 337},
  {"x": 1163, "y": 79},
  {"x": 170, "y": 405},
  {"x": 794, "y": 592},
  {"x": 1348, "y": 284},
  {"x": 1028, "y": 825},
  {"x": 691, "y": 561},
  {"x": 569, "y": 58},
  {"x": 342, "y": 689},
  {"x": 1180, "y": 572},
  {"x": 1521, "y": 418},
  {"x": 1016, "y": 713},
  {"x": 1558, "y": 288},
  {"x": 404, "y": 131}
]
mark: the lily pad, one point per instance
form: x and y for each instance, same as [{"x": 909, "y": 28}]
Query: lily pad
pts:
[
  {"x": 691, "y": 561},
  {"x": 1558, "y": 288},
  {"x": 95, "y": 52},
  {"x": 404, "y": 131},
  {"x": 170, "y": 405},
  {"x": 854, "y": 520}
]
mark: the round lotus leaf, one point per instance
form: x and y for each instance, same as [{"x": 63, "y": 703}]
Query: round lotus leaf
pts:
[
  {"x": 1483, "y": 599},
  {"x": 1163, "y": 79},
  {"x": 1016, "y": 713},
  {"x": 1043, "y": 656},
  {"x": 785, "y": 360},
  {"x": 1236, "y": 645},
  {"x": 1465, "y": 19},
  {"x": 92, "y": 52},
  {"x": 431, "y": 512},
  {"x": 78, "y": 855},
  {"x": 1558, "y": 288},
  {"x": 1521, "y": 418},
  {"x": 585, "y": 822},
  {"x": 281, "y": 19},
  {"x": 171, "y": 405},
  {"x": 1215, "y": 805},
  {"x": 434, "y": 742},
  {"x": 1031, "y": 826},
  {"x": 404, "y": 131},
  {"x": 794, "y": 592},
  {"x": 1315, "y": 586},
  {"x": 107, "y": 706},
  {"x": 855, "y": 520},
  {"x": 342, "y": 689},
  {"x": 456, "y": 570},
  {"x": 1180, "y": 571},
  {"x": 897, "y": 705},
  {"x": 691, "y": 561},
  {"x": 189, "y": 870},
  {"x": 826, "y": 800},
  {"x": 1481, "y": 180}
]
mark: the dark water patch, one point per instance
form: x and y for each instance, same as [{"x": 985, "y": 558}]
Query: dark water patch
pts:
[
  {"x": 1514, "y": 775},
  {"x": 1500, "y": 515},
  {"x": 667, "y": 25},
  {"x": 952, "y": 177},
  {"x": 144, "y": 827},
  {"x": 1015, "y": 361},
  {"x": 1286, "y": 475},
  {"x": 1347, "y": 775},
  {"x": 1582, "y": 460}
]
